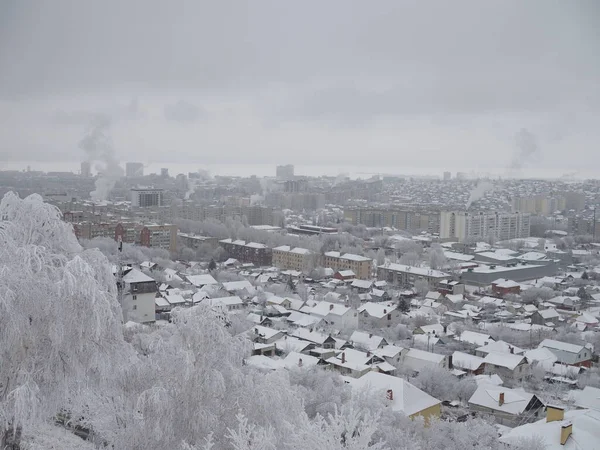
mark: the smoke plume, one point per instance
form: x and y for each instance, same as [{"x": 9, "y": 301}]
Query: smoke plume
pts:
[
  {"x": 99, "y": 150},
  {"x": 526, "y": 148},
  {"x": 478, "y": 192}
]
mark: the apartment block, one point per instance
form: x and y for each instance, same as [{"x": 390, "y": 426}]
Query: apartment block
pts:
[
  {"x": 251, "y": 252},
  {"x": 403, "y": 275},
  {"x": 395, "y": 218},
  {"x": 466, "y": 226},
  {"x": 300, "y": 259},
  {"x": 360, "y": 265}
]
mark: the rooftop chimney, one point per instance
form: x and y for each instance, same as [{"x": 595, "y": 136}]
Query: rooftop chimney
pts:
[
  {"x": 299, "y": 362},
  {"x": 512, "y": 349},
  {"x": 501, "y": 399},
  {"x": 554, "y": 413},
  {"x": 331, "y": 307},
  {"x": 343, "y": 358},
  {"x": 390, "y": 394},
  {"x": 385, "y": 311},
  {"x": 566, "y": 430},
  {"x": 368, "y": 354}
]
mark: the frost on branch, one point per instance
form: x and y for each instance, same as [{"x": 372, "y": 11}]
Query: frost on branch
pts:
[{"x": 59, "y": 318}]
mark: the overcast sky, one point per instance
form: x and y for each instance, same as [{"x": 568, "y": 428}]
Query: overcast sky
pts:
[{"x": 399, "y": 83}]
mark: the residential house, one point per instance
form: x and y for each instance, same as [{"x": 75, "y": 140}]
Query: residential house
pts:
[
  {"x": 548, "y": 317},
  {"x": 320, "y": 339},
  {"x": 391, "y": 354},
  {"x": 560, "y": 430},
  {"x": 473, "y": 365},
  {"x": 138, "y": 296},
  {"x": 474, "y": 338},
  {"x": 361, "y": 286},
  {"x": 378, "y": 315},
  {"x": 367, "y": 341},
  {"x": 498, "y": 347},
  {"x": 400, "y": 395},
  {"x": 232, "y": 303},
  {"x": 570, "y": 354},
  {"x": 506, "y": 365},
  {"x": 510, "y": 407},
  {"x": 565, "y": 302},
  {"x": 344, "y": 275},
  {"x": 504, "y": 286},
  {"x": 264, "y": 335},
  {"x": 418, "y": 360},
  {"x": 335, "y": 314},
  {"x": 200, "y": 281},
  {"x": 352, "y": 363}
]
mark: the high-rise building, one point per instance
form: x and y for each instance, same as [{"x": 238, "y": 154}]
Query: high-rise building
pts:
[
  {"x": 164, "y": 172},
  {"x": 134, "y": 169},
  {"x": 499, "y": 226},
  {"x": 285, "y": 172},
  {"x": 86, "y": 169},
  {"x": 447, "y": 176},
  {"x": 146, "y": 197}
]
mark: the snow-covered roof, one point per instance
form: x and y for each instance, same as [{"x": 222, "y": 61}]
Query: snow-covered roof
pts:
[
  {"x": 420, "y": 271},
  {"x": 201, "y": 280},
  {"x": 161, "y": 302},
  {"x": 353, "y": 257},
  {"x": 406, "y": 398},
  {"x": 589, "y": 397},
  {"x": 347, "y": 273},
  {"x": 301, "y": 251},
  {"x": 532, "y": 256},
  {"x": 506, "y": 360},
  {"x": 377, "y": 310},
  {"x": 351, "y": 359},
  {"x": 541, "y": 355},
  {"x": 425, "y": 356},
  {"x": 559, "y": 345},
  {"x": 500, "y": 347},
  {"x": 472, "y": 337},
  {"x": 263, "y": 332},
  {"x": 466, "y": 361},
  {"x": 388, "y": 351},
  {"x": 362, "y": 284},
  {"x": 491, "y": 380},
  {"x": 368, "y": 341},
  {"x": 458, "y": 256},
  {"x": 310, "y": 336},
  {"x": 175, "y": 299},
  {"x": 323, "y": 309},
  {"x": 294, "y": 359},
  {"x": 515, "y": 401},
  {"x": 291, "y": 344},
  {"x": 136, "y": 276},
  {"x": 283, "y": 248},
  {"x": 585, "y": 432},
  {"x": 225, "y": 301},
  {"x": 232, "y": 286},
  {"x": 549, "y": 313}
]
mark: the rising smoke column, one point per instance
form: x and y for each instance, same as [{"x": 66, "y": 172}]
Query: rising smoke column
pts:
[
  {"x": 478, "y": 192},
  {"x": 526, "y": 148},
  {"x": 99, "y": 150}
]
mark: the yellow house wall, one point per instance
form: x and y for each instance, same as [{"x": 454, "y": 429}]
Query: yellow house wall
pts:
[{"x": 432, "y": 411}]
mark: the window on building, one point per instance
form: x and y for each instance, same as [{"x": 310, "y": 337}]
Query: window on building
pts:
[
  {"x": 134, "y": 297},
  {"x": 134, "y": 307}
]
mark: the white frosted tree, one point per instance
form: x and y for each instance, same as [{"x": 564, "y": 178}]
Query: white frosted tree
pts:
[{"x": 60, "y": 322}]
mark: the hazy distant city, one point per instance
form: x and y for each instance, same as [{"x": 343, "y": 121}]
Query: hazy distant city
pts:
[{"x": 308, "y": 225}]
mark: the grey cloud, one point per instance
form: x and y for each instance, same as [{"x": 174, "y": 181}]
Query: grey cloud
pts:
[{"x": 183, "y": 111}]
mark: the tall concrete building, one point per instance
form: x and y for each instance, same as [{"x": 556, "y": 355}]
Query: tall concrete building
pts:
[
  {"x": 499, "y": 226},
  {"x": 134, "y": 169},
  {"x": 86, "y": 169},
  {"x": 447, "y": 176},
  {"x": 411, "y": 220},
  {"x": 146, "y": 197},
  {"x": 285, "y": 172}
]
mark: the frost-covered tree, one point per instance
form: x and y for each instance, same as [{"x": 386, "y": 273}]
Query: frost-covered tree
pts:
[{"x": 60, "y": 322}]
